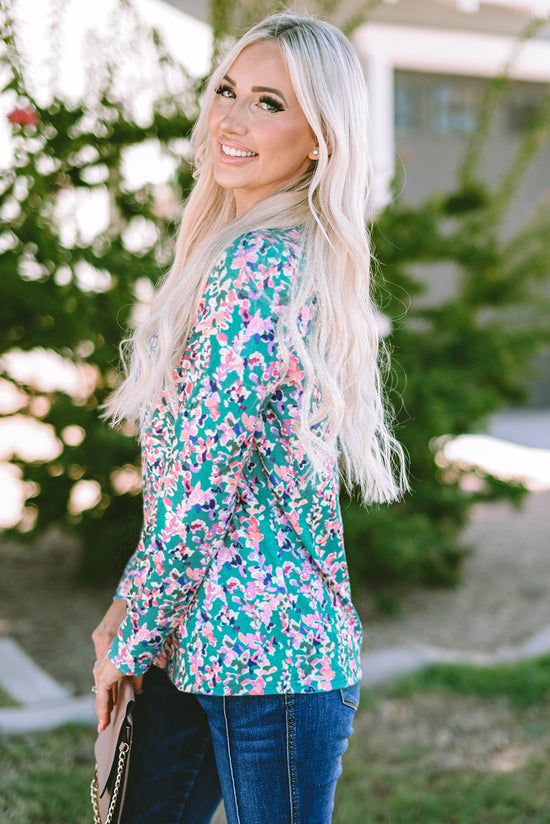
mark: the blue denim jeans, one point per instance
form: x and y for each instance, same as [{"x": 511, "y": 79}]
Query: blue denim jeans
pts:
[{"x": 275, "y": 759}]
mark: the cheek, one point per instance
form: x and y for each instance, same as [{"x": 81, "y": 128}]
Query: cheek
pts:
[
  {"x": 291, "y": 141},
  {"x": 299, "y": 143},
  {"x": 300, "y": 135}
]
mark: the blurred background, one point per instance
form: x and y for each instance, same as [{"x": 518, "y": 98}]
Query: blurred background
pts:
[{"x": 96, "y": 108}]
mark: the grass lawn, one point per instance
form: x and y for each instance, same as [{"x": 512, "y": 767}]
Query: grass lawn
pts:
[
  {"x": 451, "y": 745},
  {"x": 6, "y": 700},
  {"x": 45, "y": 777},
  {"x": 410, "y": 796},
  {"x": 460, "y": 745}
]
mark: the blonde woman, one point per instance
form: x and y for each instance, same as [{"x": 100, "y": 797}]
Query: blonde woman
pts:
[{"x": 257, "y": 390}]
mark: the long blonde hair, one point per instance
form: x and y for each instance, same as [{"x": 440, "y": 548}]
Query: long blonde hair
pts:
[{"x": 340, "y": 357}]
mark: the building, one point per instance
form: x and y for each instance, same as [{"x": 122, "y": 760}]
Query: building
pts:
[{"x": 428, "y": 63}]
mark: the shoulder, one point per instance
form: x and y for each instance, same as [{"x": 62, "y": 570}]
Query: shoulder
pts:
[
  {"x": 261, "y": 250},
  {"x": 271, "y": 241},
  {"x": 257, "y": 269},
  {"x": 260, "y": 265}
]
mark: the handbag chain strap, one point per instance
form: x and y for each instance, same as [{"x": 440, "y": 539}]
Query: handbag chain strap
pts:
[{"x": 123, "y": 751}]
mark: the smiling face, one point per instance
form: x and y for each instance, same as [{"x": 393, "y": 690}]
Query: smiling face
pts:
[{"x": 260, "y": 137}]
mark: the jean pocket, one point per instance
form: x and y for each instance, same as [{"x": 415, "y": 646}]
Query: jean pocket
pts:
[{"x": 350, "y": 696}]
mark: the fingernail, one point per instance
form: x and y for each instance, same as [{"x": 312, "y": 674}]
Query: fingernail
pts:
[{"x": 100, "y": 726}]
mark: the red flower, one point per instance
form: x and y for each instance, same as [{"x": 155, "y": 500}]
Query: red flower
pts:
[{"x": 23, "y": 117}]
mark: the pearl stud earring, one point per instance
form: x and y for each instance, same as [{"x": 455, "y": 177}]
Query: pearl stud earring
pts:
[{"x": 316, "y": 151}]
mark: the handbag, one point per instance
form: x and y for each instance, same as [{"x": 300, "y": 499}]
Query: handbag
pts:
[{"x": 112, "y": 752}]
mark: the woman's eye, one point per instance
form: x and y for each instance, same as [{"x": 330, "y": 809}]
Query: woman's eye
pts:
[
  {"x": 270, "y": 104},
  {"x": 225, "y": 91}
]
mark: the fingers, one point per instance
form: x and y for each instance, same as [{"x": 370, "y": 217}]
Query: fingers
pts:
[
  {"x": 107, "y": 678},
  {"x": 103, "y": 707}
]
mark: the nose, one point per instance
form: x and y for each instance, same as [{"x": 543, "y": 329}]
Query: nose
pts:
[{"x": 234, "y": 119}]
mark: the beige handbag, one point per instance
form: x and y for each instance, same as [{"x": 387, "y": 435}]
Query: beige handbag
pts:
[{"x": 112, "y": 753}]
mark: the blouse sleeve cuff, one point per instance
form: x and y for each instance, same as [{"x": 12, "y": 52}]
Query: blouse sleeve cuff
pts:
[
  {"x": 126, "y": 582},
  {"x": 123, "y": 590},
  {"x": 130, "y": 655}
]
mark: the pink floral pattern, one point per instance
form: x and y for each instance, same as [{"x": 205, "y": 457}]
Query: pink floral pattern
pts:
[{"x": 239, "y": 584}]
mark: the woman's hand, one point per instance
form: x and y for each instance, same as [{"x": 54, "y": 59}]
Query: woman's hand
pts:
[
  {"x": 107, "y": 677},
  {"x": 104, "y": 634}
]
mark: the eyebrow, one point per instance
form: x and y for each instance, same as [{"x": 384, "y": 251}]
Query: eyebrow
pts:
[{"x": 259, "y": 88}]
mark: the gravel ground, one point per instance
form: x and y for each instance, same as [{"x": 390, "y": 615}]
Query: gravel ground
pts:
[
  {"x": 453, "y": 732},
  {"x": 503, "y": 598},
  {"x": 46, "y": 613}
]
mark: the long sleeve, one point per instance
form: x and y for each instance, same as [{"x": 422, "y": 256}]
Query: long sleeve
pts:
[
  {"x": 125, "y": 584},
  {"x": 228, "y": 373}
]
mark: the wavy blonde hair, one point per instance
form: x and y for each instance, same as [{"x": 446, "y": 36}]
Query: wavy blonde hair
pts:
[{"x": 342, "y": 411}]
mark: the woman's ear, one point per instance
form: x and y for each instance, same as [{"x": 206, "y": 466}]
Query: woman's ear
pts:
[{"x": 314, "y": 153}]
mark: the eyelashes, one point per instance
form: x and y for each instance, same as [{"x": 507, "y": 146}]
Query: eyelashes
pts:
[
  {"x": 225, "y": 91},
  {"x": 268, "y": 104},
  {"x": 272, "y": 104}
]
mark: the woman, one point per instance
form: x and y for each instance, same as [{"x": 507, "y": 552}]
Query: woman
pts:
[{"x": 256, "y": 385}]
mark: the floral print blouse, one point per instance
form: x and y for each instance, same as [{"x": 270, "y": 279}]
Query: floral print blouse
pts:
[{"x": 239, "y": 585}]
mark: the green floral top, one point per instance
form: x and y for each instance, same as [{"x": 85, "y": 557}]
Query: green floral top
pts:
[{"x": 239, "y": 584}]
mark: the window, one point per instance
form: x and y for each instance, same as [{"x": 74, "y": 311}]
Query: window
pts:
[
  {"x": 407, "y": 107},
  {"x": 454, "y": 108}
]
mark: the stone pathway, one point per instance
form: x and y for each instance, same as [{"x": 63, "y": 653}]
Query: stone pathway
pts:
[
  {"x": 42, "y": 702},
  {"x": 381, "y": 666}
]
